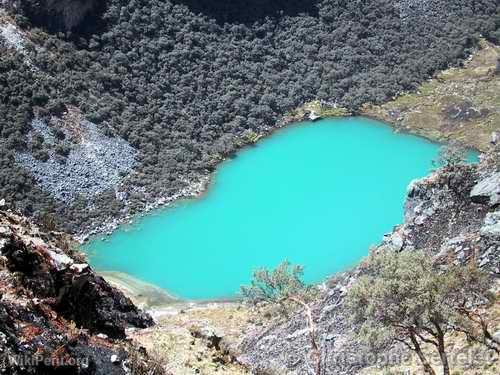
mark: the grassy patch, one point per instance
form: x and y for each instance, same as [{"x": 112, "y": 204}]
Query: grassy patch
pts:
[{"x": 436, "y": 109}]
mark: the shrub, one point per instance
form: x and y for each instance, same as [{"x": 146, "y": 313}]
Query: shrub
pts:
[
  {"x": 404, "y": 297},
  {"x": 278, "y": 285}
]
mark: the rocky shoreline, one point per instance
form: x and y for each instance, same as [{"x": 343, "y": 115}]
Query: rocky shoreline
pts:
[
  {"x": 196, "y": 189},
  {"x": 480, "y": 62},
  {"x": 399, "y": 114},
  {"x": 453, "y": 211}
]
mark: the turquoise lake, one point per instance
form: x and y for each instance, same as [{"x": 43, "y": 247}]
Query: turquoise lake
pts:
[{"x": 318, "y": 194}]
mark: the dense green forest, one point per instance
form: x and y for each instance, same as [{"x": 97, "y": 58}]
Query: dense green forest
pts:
[{"x": 183, "y": 81}]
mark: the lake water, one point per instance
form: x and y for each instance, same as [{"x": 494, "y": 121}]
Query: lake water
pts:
[{"x": 318, "y": 194}]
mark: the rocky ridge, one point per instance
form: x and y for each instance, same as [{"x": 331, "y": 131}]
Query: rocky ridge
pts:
[{"x": 56, "y": 314}]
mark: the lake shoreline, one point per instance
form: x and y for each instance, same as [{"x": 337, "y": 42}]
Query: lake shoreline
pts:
[
  {"x": 157, "y": 301},
  {"x": 198, "y": 188},
  {"x": 438, "y": 110},
  {"x": 240, "y": 185}
]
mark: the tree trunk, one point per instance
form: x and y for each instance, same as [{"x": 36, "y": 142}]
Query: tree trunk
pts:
[
  {"x": 443, "y": 356},
  {"x": 416, "y": 347},
  {"x": 316, "y": 353},
  {"x": 441, "y": 349}
]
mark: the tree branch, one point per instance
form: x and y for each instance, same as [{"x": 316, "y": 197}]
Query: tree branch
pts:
[{"x": 312, "y": 333}]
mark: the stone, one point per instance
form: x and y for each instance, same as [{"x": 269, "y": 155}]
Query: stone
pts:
[
  {"x": 51, "y": 291},
  {"x": 3, "y": 242},
  {"x": 4, "y": 231},
  {"x": 484, "y": 262},
  {"x": 395, "y": 241},
  {"x": 496, "y": 336},
  {"x": 491, "y": 226},
  {"x": 487, "y": 191},
  {"x": 94, "y": 164},
  {"x": 495, "y": 138},
  {"x": 313, "y": 116},
  {"x": 79, "y": 267},
  {"x": 61, "y": 261}
]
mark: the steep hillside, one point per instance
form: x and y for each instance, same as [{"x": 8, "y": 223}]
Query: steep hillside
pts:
[
  {"x": 186, "y": 83},
  {"x": 60, "y": 15},
  {"x": 56, "y": 315}
]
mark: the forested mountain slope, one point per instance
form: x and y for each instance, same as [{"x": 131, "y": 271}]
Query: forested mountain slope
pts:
[{"x": 185, "y": 83}]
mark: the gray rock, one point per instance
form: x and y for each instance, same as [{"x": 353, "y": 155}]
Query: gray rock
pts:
[
  {"x": 96, "y": 163},
  {"x": 495, "y": 138},
  {"x": 60, "y": 260},
  {"x": 491, "y": 227},
  {"x": 487, "y": 191},
  {"x": 496, "y": 336},
  {"x": 5, "y": 231},
  {"x": 80, "y": 267},
  {"x": 395, "y": 241},
  {"x": 438, "y": 216},
  {"x": 313, "y": 116}
]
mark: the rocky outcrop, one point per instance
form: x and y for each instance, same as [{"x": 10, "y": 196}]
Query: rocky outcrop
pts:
[
  {"x": 91, "y": 164},
  {"x": 442, "y": 215},
  {"x": 56, "y": 314},
  {"x": 491, "y": 227},
  {"x": 487, "y": 190}
]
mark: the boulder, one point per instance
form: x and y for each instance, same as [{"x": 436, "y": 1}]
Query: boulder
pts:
[
  {"x": 491, "y": 227},
  {"x": 487, "y": 191},
  {"x": 313, "y": 116},
  {"x": 496, "y": 336},
  {"x": 92, "y": 303}
]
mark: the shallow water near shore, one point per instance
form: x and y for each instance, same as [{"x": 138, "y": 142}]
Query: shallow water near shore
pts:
[{"x": 318, "y": 194}]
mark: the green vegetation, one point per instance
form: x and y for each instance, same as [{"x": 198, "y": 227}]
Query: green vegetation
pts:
[
  {"x": 321, "y": 110},
  {"x": 277, "y": 286},
  {"x": 406, "y": 298},
  {"x": 251, "y": 137},
  {"x": 460, "y": 103},
  {"x": 283, "y": 286},
  {"x": 183, "y": 80}
]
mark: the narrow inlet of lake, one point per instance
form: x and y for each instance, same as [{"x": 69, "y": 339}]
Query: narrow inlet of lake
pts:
[{"x": 318, "y": 194}]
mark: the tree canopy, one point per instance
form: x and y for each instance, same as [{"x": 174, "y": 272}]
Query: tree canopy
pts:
[
  {"x": 405, "y": 297},
  {"x": 183, "y": 82}
]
